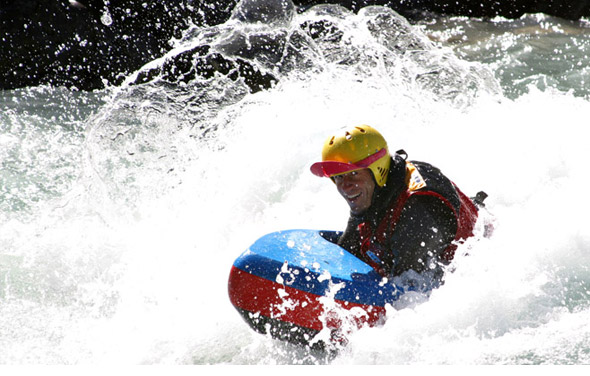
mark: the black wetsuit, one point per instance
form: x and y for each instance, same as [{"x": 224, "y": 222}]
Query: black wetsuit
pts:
[{"x": 425, "y": 228}]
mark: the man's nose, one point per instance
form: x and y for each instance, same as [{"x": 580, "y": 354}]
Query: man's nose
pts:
[{"x": 348, "y": 182}]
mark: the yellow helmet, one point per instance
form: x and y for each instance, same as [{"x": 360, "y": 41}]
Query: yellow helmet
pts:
[{"x": 353, "y": 149}]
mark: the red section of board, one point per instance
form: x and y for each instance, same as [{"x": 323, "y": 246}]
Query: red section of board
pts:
[{"x": 277, "y": 301}]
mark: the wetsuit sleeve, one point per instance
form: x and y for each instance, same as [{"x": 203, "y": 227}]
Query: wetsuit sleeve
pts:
[{"x": 425, "y": 229}]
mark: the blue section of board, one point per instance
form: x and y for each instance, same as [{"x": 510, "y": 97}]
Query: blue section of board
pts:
[{"x": 305, "y": 260}]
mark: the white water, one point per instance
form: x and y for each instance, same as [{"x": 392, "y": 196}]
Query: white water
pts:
[{"x": 129, "y": 263}]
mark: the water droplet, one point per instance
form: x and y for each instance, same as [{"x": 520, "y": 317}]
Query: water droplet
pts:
[{"x": 106, "y": 18}]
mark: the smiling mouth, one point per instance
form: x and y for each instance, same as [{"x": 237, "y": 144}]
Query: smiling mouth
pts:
[{"x": 352, "y": 197}]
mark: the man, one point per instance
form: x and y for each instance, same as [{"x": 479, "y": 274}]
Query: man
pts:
[{"x": 405, "y": 217}]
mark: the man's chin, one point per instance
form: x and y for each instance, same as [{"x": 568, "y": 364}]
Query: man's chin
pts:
[{"x": 356, "y": 210}]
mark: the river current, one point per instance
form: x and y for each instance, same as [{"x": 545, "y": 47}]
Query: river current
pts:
[{"x": 122, "y": 210}]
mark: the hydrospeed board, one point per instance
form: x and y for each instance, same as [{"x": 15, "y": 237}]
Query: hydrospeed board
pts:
[{"x": 294, "y": 284}]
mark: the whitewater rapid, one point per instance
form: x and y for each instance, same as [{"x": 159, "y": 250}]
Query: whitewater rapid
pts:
[{"x": 129, "y": 214}]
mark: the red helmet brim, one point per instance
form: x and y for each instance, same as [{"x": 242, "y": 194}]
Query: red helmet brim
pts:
[{"x": 332, "y": 168}]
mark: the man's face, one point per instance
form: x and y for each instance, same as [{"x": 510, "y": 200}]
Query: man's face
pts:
[{"x": 357, "y": 188}]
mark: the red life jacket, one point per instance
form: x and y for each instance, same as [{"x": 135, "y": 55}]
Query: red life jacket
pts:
[{"x": 463, "y": 209}]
